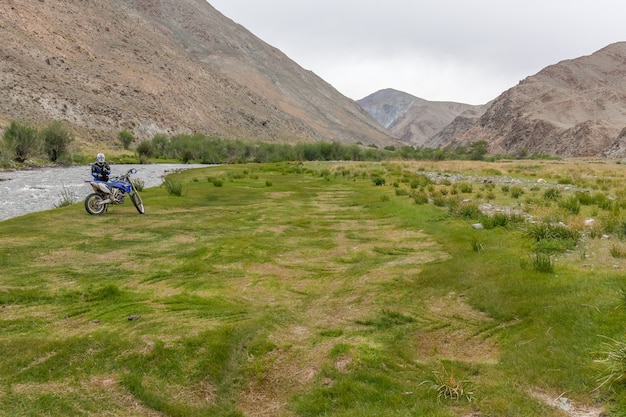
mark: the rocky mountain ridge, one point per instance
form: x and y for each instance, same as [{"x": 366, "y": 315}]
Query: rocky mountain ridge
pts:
[
  {"x": 411, "y": 119},
  {"x": 574, "y": 108},
  {"x": 163, "y": 66}
]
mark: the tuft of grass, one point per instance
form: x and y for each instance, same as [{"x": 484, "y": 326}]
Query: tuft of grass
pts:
[
  {"x": 478, "y": 246},
  {"x": 420, "y": 197},
  {"x": 450, "y": 387},
  {"x": 613, "y": 364},
  {"x": 542, "y": 262},
  {"x": 617, "y": 251},
  {"x": 551, "y": 237},
  {"x": 67, "y": 197},
  {"x": 139, "y": 184},
  {"x": 552, "y": 194},
  {"x": 173, "y": 187}
]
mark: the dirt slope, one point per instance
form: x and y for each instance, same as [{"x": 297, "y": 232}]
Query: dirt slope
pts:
[{"x": 162, "y": 66}]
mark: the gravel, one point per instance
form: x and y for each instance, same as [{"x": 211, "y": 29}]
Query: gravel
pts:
[{"x": 27, "y": 191}]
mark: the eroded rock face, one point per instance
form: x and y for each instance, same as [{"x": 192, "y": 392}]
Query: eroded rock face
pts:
[{"x": 169, "y": 66}]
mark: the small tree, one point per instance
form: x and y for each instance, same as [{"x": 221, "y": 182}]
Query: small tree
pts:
[
  {"x": 126, "y": 138},
  {"x": 478, "y": 150},
  {"x": 22, "y": 141},
  {"x": 56, "y": 140},
  {"x": 160, "y": 143}
]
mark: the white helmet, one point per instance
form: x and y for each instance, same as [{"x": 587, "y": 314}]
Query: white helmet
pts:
[{"x": 100, "y": 157}]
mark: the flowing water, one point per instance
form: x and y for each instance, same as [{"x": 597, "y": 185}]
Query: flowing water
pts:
[{"x": 27, "y": 191}]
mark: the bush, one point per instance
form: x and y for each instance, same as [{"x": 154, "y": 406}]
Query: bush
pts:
[
  {"x": 22, "y": 141},
  {"x": 173, "y": 187},
  {"x": 126, "y": 138},
  {"x": 56, "y": 141},
  {"x": 145, "y": 150}
]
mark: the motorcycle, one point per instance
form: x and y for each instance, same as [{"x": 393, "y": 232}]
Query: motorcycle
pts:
[{"x": 113, "y": 191}]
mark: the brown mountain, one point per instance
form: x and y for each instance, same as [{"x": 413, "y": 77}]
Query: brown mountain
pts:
[
  {"x": 411, "y": 119},
  {"x": 162, "y": 66},
  {"x": 574, "y": 108}
]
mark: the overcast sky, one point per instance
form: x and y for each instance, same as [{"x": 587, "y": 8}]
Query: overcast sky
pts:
[{"x": 467, "y": 51}]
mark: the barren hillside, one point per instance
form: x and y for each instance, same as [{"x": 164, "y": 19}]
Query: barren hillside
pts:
[
  {"x": 574, "y": 108},
  {"x": 162, "y": 66}
]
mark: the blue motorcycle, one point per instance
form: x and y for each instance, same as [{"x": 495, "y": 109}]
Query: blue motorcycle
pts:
[{"x": 113, "y": 191}]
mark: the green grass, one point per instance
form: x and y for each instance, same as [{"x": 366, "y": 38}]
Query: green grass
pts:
[{"x": 306, "y": 290}]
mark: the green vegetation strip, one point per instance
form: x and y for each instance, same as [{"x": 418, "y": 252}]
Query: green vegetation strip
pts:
[{"x": 318, "y": 289}]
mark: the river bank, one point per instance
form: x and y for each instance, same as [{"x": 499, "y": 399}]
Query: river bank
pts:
[{"x": 28, "y": 191}]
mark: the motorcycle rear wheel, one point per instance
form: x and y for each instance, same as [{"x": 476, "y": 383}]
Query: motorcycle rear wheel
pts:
[
  {"x": 137, "y": 202},
  {"x": 93, "y": 204}
]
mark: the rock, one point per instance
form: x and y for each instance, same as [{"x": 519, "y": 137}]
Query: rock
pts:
[
  {"x": 478, "y": 226},
  {"x": 589, "y": 222},
  {"x": 134, "y": 317}
]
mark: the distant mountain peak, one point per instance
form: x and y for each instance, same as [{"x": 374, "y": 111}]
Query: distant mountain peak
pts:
[{"x": 411, "y": 119}]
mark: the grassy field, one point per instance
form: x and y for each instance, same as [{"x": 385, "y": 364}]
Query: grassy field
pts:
[{"x": 325, "y": 289}]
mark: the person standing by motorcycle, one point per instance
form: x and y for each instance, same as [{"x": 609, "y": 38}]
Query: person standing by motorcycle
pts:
[{"x": 100, "y": 169}]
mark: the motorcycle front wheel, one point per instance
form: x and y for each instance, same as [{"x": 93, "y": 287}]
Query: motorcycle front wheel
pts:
[
  {"x": 93, "y": 204},
  {"x": 137, "y": 202}
]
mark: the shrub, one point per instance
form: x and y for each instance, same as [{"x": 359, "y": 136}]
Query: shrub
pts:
[
  {"x": 22, "y": 141},
  {"x": 56, "y": 141},
  {"x": 145, "y": 150},
  {"x": 173, "y": 187},
  {"x": 126, "y": 138}
]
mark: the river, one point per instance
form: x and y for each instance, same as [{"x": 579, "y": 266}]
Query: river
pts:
[{"x": 28, "y": 191}]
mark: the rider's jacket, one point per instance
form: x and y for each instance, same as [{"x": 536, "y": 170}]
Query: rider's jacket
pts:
[{"x": 102, "y": 170}]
